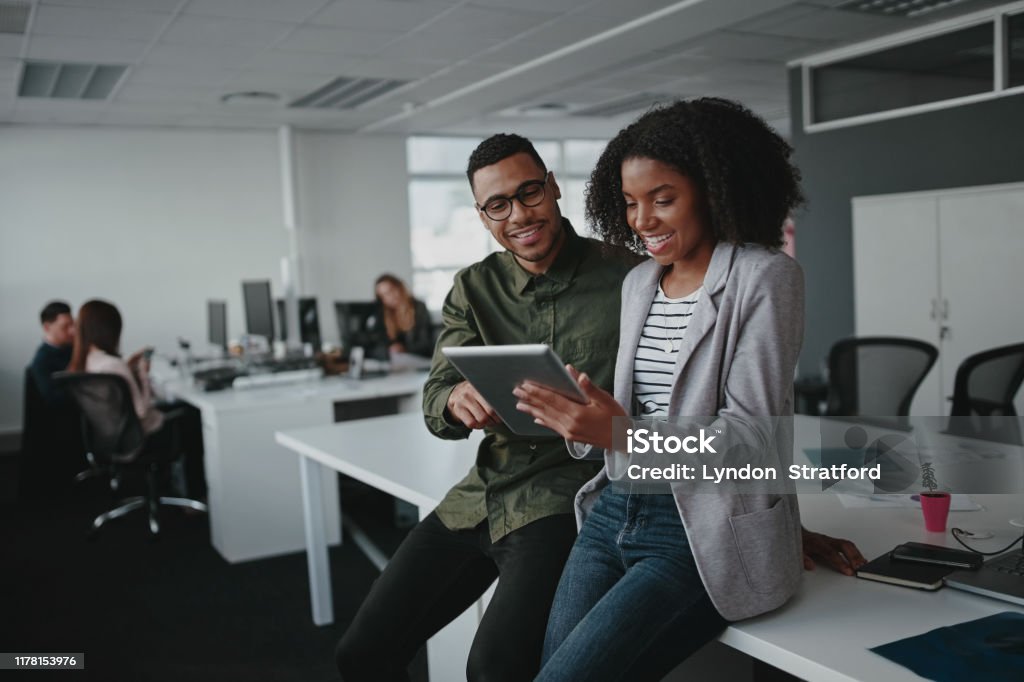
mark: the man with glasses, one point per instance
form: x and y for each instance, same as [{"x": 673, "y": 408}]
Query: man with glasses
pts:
[{"x": 512, "y": 516}]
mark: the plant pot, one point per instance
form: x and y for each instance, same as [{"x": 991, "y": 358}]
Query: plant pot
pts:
[{"x": 936, "y": 510}]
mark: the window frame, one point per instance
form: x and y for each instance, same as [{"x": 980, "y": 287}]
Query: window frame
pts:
[{"x": 996, "y": 16}]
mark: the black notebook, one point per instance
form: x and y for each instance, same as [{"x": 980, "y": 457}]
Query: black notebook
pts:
[{"x": 885, "y": 569}]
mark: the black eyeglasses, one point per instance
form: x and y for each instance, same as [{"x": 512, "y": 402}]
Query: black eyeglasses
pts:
[{"x": 529, "y": 194}]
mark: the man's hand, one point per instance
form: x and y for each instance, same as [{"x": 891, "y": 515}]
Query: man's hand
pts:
[
  {"x": 837, "y": 554},
  {"x": 467, "y": 406}
]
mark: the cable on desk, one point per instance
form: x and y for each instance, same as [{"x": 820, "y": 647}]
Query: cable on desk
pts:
[{"x": 957, "y": 532}]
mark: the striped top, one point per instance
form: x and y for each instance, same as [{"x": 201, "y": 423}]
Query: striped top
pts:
[{"x": 658, "y": 349}]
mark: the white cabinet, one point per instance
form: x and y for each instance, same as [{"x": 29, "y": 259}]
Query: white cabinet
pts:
[{"x": 945, "y": 267}]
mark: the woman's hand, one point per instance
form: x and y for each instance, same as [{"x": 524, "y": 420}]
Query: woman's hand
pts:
[
  {"x": 589, "y": 422},
  {"x": 138, "y": 361},
  {"x": 836, "y": 553}
]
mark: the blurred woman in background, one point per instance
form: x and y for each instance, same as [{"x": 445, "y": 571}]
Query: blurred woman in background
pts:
[{"x": 406, "y": 320}]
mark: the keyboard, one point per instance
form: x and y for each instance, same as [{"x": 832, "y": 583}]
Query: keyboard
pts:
[
  {"x": 1012, "y": 563},
  {"x": 276, "y": 378},
  {"x": 217, "y": 378},
  {"x": 285, "y": 365}
]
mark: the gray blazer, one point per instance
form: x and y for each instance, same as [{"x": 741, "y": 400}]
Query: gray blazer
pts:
[{"x": 737, "y": 359}]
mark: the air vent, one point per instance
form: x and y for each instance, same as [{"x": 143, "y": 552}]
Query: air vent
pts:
[
  {"x": 643, "y": 100},
  {"x": 347, "y": 93},
  {"x": 14, "y": 17},
  {"x": 898, "y": 8},
  {"x": 54, "y": 80}
]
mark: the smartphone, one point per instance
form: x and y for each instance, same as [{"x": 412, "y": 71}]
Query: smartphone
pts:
[
  {"x": 147, "y": 354},
  {"x": 923, "y": 553}
]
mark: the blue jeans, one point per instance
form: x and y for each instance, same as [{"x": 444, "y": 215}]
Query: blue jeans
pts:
[{"x": 630, "y": 604}]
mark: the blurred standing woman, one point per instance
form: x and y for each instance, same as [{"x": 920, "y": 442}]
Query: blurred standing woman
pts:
[
  {"x": 711, "y": 327},
  {"x": 406, "y": 319}
]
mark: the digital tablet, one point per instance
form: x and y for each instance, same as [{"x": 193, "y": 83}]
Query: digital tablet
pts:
[{"x": 495, "y": 370}]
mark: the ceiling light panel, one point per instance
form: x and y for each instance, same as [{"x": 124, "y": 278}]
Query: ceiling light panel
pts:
[
  {"x": 54, "y": 80},
  {"x": 14, "y": 17},
  {"x": 348, "y": 93}
]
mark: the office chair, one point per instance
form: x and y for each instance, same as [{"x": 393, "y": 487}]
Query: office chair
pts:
[
  {"x": 876, "y": 376},
  {"x": 983, "y": 393},
  {"x": 113, "y": 434},
  {"x": 52, "y": 451}
]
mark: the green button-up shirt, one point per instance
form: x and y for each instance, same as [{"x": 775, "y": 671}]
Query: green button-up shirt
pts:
[{"x": 574, "y": 308}]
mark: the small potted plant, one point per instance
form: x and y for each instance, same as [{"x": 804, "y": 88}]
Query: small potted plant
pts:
[{"x": 934, "y": 502}]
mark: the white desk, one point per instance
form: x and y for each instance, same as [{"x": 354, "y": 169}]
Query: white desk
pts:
[
  {"x": 400, "y": 457},
  {"x": 253, "y": 491},
  {"x": 823, "y": 634}
]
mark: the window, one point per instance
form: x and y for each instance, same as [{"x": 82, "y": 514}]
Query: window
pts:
[
  {"x": 972, "y": 58},
  {"x": 1015, "y": 48},
  {"x": 446, "y": 233},
  {"x": 944, "y": 67}
]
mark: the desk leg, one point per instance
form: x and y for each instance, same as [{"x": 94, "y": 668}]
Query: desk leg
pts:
[{"x": 316, "y": 541}]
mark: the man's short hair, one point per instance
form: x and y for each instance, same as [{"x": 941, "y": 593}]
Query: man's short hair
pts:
[
  {"x": 52, "y": 310},
  {"x": 497, "y": 148}
]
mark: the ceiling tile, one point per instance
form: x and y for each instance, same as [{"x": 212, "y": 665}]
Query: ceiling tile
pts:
[
  {"x": 336, "y": 41},
  {"x": 380, "y": 15},
  {"x": 139, "y": 118},
  {"x": 178, "y": 76},
  {"x": 194, "y": 30},
  {"x": 808, "y": 21},
  {"x": 149, "y": 5},
  {"x": 545, "y": 5},
  {"x": 163, "y": 93},
  {"x": 734, "y": 44},
  {"x": 258, "y": 79},
  {"x": 481, "y": 22},
  {"x": 418, "y": 45},
  {"x": 10, "y": 45},
  {"x": 374, "y": 67},
  {"x": 305, "y": 62},
  {"x": 55, "y": 111},
  {"x": 277, "y": 10},
  {"x": 226, "y": 56},
  {"x": 626, "y": 11},
  {"x": 748, "y": 71},
  {"x": 86, "y": 49},
  {"x": 107, "y": 24}
]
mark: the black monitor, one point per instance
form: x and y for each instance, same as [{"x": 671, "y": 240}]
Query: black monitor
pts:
[
  {"x": 259, "y": 311},
  {"x": 360, "y": 324},
  {"x": 217, "y": 323},
  {"x": 309, "y": 322}
]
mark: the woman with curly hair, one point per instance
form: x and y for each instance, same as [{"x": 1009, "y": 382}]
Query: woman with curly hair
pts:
[{"x": 711, "y": 326}]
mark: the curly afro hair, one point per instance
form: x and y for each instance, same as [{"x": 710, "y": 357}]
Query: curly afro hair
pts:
[
  {"x": 740, "y": 166},
  {"x": 498, "y": 148}
]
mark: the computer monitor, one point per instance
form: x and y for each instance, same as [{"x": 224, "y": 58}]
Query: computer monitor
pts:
[
  {"x": 360, "y": 324},
  {"x": 309, "y": 322},
  {"x": 217, "y": 323},
  {"x": 259, "y": 311}
]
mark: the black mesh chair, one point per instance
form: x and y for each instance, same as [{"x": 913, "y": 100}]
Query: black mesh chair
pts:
[
  {"x": 983, "y": 392},
  {"x": 113, "y": 434},
  {"x": 52, "y": 452},
  {"x": 876, "y": 376}
]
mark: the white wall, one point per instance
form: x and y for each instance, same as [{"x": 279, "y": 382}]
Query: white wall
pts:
[
  {"x": 353, "y": 215},
  {"x": 158, "y": 221}
]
